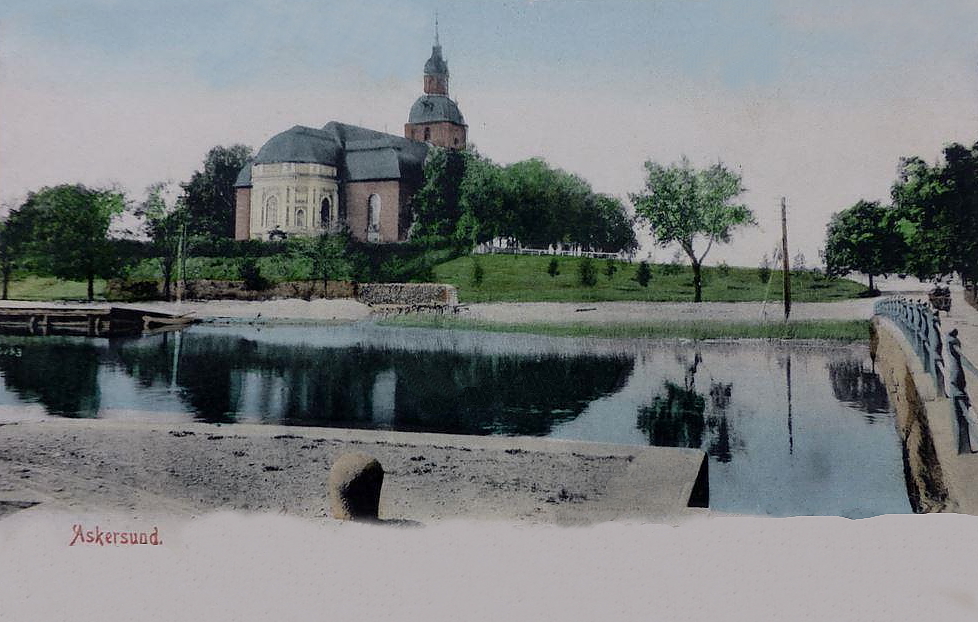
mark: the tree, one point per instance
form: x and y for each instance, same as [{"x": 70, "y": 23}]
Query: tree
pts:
[
  {"x": 937, "y": 212},
  {"x": 70, "y": 231},
  {"x": 643, "y": 274},
  {"x": 553, "y": 268},
  {"x": 587, "y": 275},
  {"x": 478, "y": 272},
  {"x": 329, "y": 260},
  {"x": 209, "y": 195},
  {"x": 435, "y": 205},
  {"x": 610, "y": 268},
  {"x": 165, "y": 218},
  {"x": 681, "y": 205},
  {"x": 864, "y": 238},
  {"x": 16, "y": 234}
]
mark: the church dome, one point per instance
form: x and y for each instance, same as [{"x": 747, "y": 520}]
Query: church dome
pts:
[
  {"x": 435, "y": 108},
  {"x": 300, "y": 144}
]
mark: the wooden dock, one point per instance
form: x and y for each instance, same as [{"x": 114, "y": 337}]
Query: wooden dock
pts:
[{"x": 94, "y": 322}]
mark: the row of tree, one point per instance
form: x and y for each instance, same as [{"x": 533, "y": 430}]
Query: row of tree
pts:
[
  {"x": 469, "y": 199},
  {"x": 929, "y": 230}
]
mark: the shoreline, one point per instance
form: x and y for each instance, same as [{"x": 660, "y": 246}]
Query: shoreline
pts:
[{"x": 189, "y": 469}]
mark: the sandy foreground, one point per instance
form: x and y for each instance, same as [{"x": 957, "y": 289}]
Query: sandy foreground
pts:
[{"x": 190, "y": 469}]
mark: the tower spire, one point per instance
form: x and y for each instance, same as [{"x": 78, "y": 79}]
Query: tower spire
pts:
[{"x": 437, "y": 44}]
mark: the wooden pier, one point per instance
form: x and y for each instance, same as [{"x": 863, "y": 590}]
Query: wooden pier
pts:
[{"x": 94, "y": 322}]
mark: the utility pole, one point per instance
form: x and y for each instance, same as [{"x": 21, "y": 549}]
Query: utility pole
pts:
[{"x": 784, "y": 260}]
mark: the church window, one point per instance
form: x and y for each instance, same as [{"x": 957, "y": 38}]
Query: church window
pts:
[
  {"x": 271, "y": 211},
  {"x": 325, "y": 212},
  {"x": 300, "y": 218},
  {"x": 373, "y": 210}
]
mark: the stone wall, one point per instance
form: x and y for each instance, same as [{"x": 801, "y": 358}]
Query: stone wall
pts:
[
  {"x": 408, "y": 294},
  {"x": 917, "y": 405}
]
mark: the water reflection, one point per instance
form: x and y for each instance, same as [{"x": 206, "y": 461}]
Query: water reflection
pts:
[
  {"x": 63, "y": 376},
  {"x": 677, "y": 416},
  {"x": 858, "y": 386},
  {"x": 221, "y": 378},
  {"x": 776, "y": 420}
]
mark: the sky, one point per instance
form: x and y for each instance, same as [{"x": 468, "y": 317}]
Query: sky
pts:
[{"x": 815, "y": 101}]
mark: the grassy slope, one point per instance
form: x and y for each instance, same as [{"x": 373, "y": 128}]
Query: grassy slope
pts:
[
  {"x": 842, "y": 330},
  {"x": 50, "y": 288},
  {"x": 516, "y": 278}
]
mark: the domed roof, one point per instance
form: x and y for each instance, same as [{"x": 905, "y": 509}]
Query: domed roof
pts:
[
  {"x": 434, "y": 108},
  {"x": 436, "y": 64},
  {"x": 301, "y": 144}
]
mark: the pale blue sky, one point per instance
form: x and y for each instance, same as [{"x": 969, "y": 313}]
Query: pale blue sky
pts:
[{"x": 813, "y": 100}]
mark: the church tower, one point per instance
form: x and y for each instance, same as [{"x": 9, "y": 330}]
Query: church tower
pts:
[{"x": 434, "y": 117}]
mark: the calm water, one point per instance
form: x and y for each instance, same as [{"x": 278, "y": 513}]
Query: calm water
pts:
[{"x": 789, "y": 429}]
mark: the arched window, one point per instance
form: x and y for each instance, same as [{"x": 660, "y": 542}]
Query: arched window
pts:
[
  {"x": 427, "y": 134},
  {"x": 271, "y": 211},
  {"x": 373, "y": 210},
  {"x": 325, "y": 212},
  {"x": 300, "y": 218}
]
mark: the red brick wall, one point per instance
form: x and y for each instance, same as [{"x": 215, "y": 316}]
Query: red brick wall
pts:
[
  {"x": 443, "y": 134},
  {"x": 436, "y": 85},
  {"x": 242, "y": 213},
  {"x": 358, "y": 194}
]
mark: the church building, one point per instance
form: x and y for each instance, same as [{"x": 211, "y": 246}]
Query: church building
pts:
[{"x": 305, "y": 180}]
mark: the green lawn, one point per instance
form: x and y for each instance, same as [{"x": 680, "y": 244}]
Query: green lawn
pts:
[
  {"x": 50, "y": 288},
  {"x": 841, "y": 330},
  {"x": 524, "y": 278}
]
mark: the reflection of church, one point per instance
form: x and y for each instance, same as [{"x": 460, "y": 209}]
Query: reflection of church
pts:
[{"x": 305, "y": 180}]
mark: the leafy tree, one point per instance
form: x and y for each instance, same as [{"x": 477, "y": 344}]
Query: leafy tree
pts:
[
  {"x": 435, "y": 205},
  {"x": 209, "y": 195},
  {"x": 937, "y": 211},
  {"x": 165, "y": 217},
  {"x": 553, "y": 268},
  {"x": 587, "y": 275},
  {"x": 798, "y": 263},
  {"x": 70, "y": 231},
  {"x": 643, "y": 274},
  {"x": 864, "y": 238},
  {"x": 329, "y": 258},
  {"x": 682, "y": 204},
  {"x": 16, "y": 234}
]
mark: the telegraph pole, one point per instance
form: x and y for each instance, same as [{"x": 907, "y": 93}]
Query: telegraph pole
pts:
[{"x": 784, "y": 260}]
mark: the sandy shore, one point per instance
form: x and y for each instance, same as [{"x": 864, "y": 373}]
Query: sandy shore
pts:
[{"x": 191, "y": 469}]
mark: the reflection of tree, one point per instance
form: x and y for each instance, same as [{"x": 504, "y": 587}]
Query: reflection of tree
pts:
[
  {"x": 858, "y": 386},
  {"x": 678, "y": 418},
  {"x": 435, "y": 391},
  {"x": 674, "y": 419},
  {"x": 61, "y": 373},
  {"x": 717, "y": 421}
]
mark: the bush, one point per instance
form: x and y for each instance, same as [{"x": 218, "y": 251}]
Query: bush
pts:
[
  {"x": 587, "y": 275},
  {"x": 764, "y": 270},
  {"x": 478, "y": 272},
  {"x": 251, "y": 275},
  {"x": 644, "y": 274},
  {"x": 132, "y": 290},
  {"x": 553, "y": 268},
  {"x": 610, "y": 268},
  {"x": 723, "y": 269}
]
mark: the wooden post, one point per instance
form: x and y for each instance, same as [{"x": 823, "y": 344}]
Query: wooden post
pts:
[{"x": 784, "y": 260}]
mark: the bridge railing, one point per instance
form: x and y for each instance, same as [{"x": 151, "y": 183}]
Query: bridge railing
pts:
[{"x": 940, "y": 356}]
